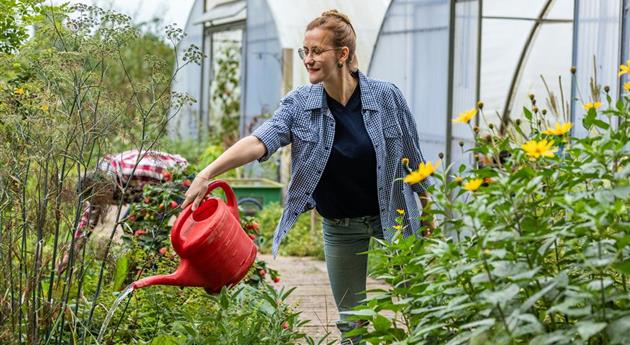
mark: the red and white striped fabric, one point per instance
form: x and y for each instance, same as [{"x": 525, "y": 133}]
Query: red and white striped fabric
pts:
[{"x": 151, "y": 164}]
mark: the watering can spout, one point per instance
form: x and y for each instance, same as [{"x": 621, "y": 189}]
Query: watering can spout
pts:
[
  {"x": 185, "y": 275},
  {"x": 165, "y": 279}
]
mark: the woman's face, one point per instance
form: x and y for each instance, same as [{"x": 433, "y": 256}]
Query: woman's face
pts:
[{"x": 322, "y": 58}]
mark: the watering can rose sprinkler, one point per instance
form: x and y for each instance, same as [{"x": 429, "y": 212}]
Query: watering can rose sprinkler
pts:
[{"x": 214, "y": 250}]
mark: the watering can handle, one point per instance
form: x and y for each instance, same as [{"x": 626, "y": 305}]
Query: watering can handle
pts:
[
  {"x": 229, "y": 193},
  {"x": 231, "y": 203}
]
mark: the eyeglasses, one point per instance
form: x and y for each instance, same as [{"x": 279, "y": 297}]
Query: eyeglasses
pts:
[{"x": 315, "y": 52}]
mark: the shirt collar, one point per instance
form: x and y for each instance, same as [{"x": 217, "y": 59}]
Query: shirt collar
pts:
[{"x": 316, "y": 95}]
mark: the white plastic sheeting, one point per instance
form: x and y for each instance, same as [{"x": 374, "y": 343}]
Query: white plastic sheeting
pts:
[
  {"x": 187, "y": 122},
  {"x": 270, "y": 27},
  {"x": 291, "y": 18},
  {"x": 598, "y": 35},
  {"x": 412, "y": 51},
  {"x": 502, "y": 42},
  {"x": 263, "y": 66},
  {"x": 274, "y": 25},
  {"x": 464, "y": 76}
]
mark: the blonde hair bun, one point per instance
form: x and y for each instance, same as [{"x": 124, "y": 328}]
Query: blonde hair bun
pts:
[{"x": 336, "y": 13}]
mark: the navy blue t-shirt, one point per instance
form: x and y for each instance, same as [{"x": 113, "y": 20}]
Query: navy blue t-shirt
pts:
[{"x": 347, "y": 188}]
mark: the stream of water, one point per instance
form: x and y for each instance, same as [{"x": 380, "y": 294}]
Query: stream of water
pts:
[{"x": 128, "y": 290}]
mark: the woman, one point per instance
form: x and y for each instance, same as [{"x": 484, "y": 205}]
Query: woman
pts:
[{"x": 348, "y": 134}]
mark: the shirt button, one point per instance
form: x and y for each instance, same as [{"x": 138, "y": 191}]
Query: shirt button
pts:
[
  {"x": 331, "y": 125},
  {"x": 380, "y": 188},
  {"x": 326, "y": 148},
  {"x": 295, "y": 213},
  {"x": 308, "y": 193},
  {"x": 379, "y": 166},
  {"x": 319, "y": 171}
]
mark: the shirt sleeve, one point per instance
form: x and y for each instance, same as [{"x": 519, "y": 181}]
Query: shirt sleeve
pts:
[
  {"x": 276, "y": 131},
  {"x": 411, "y": 142}
]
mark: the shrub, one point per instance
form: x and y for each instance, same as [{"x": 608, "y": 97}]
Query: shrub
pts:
[
  {"x": 532, "y": 246},
  {"x": 301, "y": 241}
]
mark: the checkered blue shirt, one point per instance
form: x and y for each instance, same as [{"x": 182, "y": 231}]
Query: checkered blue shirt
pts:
[{"x": 304, "y": 121}]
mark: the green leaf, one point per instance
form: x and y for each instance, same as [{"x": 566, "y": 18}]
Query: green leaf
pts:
[
  {"x": 165, "y": 340},
  {"x": 622, "y": 267},
  {"x": 566, "y": 307},
  {"x": 620, "y": 105},
  {"x": 362, "y": 312},
  {"x": 535, "y": 297},
  {"x": 587, "y": 329},
  {"x": 534, "y": 183},
  {"x": 121, "y": 271},
  {"x": 598, "y": 285},
  {"x": 601, "y": 124},
  {"x": 356, "y": 331},
  {"x": 590, "y": 117},
  {"x": 502, "y": 296},
  {"x": 622, "y": 192},
  {"x": 557, "y": 337},
  {"x": 381, "y": 323},
  {"x": 526, "y": 275},
  {"x": 527, "y": 113},
  {"x": 619, "y": 331},
  {"x": 529, "y": 224},
  {"x": 485, "y": 323},
  {"x": 623, "y": 241},
  {"x": 625, "y": 171}
]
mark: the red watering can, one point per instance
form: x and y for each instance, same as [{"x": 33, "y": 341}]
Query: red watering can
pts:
[{"x": 214, "y": 249}]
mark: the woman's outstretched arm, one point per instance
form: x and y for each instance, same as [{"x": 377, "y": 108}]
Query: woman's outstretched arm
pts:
[
  {"x": 261, "y": 144},
  {"x": 242, "y": 152}
]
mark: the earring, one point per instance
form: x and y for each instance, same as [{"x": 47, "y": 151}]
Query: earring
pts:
[{"x": 339, "y": 64}]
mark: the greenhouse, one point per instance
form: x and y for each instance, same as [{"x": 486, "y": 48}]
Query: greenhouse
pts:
[
  {"x": 267, "y": 42},
  {"x": 444, "y": 55}
]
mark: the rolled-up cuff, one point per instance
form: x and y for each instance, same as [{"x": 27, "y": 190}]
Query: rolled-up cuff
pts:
[{"x": 268, "y": 136}]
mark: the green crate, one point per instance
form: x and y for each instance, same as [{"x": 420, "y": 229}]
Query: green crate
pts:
[{"x": 263, "y": 190}]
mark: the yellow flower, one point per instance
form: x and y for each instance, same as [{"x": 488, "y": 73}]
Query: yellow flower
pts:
[
  {"x": 424, "y": 171},
  {"x": 626, "y": 86},
  {"x": 19, "y": 91},
  {"x": 465, "y": 116},
  {"x": 537, "y": 149},
  {"x": 559, "y": 130},
  {"x": 405, "y": 161},
  {"x": 623, "y": 69},
  {"x": 397, "y": 227},
  {"x": 400, "y": 211},
  {"x": 473, "y": 184},
  {"x": 459, "y": 179},
  {"x": 44, "y": 108},
  {"x": 595, "y": 105}
]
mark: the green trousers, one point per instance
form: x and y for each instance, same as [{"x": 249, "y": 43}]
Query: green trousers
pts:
[{"x": 344, "y": 240}]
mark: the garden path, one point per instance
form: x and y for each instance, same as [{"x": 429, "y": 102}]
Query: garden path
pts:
[{"x": 312, "y": 296}]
